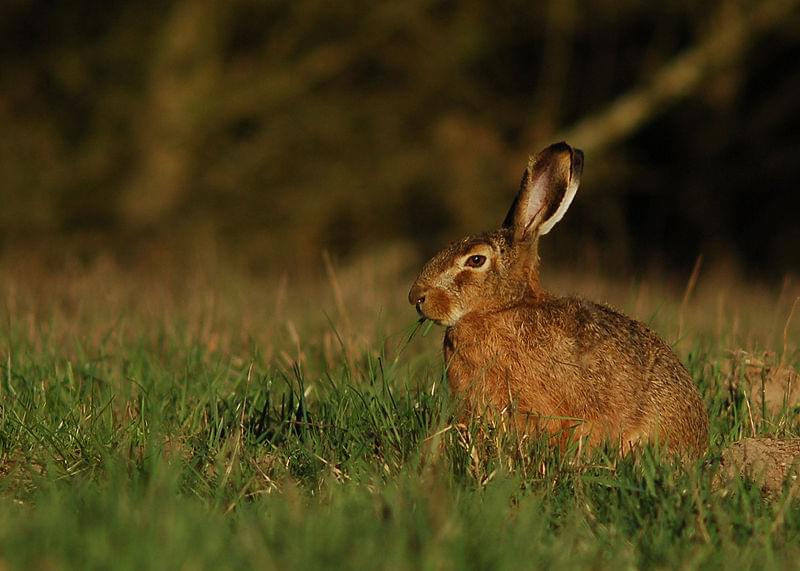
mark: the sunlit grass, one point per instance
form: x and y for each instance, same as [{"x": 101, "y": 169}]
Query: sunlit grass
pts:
[{"x": 218, "y": 421}]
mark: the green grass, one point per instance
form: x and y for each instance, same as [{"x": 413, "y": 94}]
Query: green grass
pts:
[{"x": 177, "y": 438}]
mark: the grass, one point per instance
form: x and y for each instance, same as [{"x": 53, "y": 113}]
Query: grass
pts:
[{"x": 227, "y": 422}]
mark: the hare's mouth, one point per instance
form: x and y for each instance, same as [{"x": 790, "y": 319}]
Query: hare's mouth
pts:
[
  {"x": 444, "y": 321},
  {"x": 426, "y": 317},
  {"x": 423, "y": 318},
  {"x": 435, "y": 305}
]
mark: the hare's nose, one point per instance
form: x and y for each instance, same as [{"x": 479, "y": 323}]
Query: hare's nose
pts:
[{"x": 416, "y": 296}]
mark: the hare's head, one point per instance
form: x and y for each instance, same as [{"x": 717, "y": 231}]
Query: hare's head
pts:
[{"x": 499, "y": 269}]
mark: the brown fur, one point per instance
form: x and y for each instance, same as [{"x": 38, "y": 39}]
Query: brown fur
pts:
[{"x": 565, "y": 366}]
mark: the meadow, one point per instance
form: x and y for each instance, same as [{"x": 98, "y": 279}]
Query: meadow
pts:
[{"x": 176, "y": 418}]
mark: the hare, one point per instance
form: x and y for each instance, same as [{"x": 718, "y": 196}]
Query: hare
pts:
[{"x": 561, "y": 365}]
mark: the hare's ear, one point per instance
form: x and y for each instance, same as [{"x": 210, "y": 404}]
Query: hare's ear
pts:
[{"x": 548, "y": 186}]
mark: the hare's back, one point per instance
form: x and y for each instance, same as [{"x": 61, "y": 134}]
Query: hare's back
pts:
[
  {"x": 626, "y": 369},
  {"x": 608, "y": 345}
]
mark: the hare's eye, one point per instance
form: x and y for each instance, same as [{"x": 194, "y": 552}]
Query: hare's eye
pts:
[{"x": 476, "y": 261}]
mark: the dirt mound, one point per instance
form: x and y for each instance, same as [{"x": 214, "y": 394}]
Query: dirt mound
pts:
[{"x": 767, "y": 461}]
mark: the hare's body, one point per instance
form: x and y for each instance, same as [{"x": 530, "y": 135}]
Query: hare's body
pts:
[
  {"x": 574, "y": 368},
  {"x": 565, "y": 366}
]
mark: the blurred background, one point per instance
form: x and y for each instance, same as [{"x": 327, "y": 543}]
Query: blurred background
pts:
[{"x": 268, "y": 132}]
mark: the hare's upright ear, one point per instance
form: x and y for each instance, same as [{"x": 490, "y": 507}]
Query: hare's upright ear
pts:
[{"x": 547, "y": 189}]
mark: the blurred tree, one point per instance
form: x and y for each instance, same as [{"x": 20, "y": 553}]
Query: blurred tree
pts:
[
  {"x": 280, "y": 128},
  {"x": 180, "y": 89}
]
